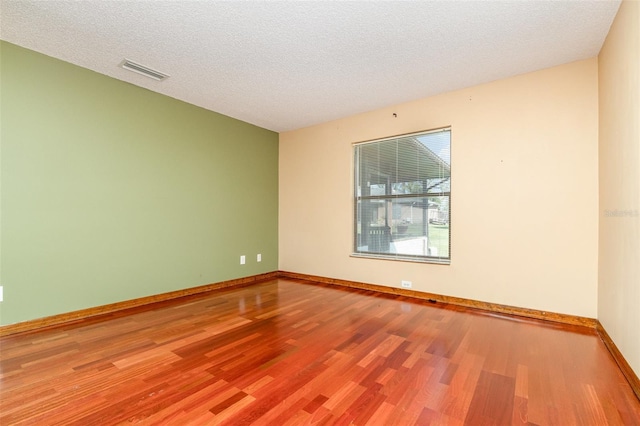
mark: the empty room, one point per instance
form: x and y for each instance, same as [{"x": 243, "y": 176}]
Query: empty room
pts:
[{"x": 331, "y": 213}]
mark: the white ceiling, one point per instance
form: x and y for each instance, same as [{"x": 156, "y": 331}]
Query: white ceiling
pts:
[{"x": 287, "y": 65}]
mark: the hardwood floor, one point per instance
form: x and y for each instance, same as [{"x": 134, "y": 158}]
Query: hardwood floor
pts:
[{"x": 284, "y": 352}]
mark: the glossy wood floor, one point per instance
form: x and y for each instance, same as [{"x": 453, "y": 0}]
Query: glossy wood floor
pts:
[{"x": 284, "y": 352}]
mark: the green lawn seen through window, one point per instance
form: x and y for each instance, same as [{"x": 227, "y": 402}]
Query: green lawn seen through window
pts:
[{"x": 438, "y": 236}]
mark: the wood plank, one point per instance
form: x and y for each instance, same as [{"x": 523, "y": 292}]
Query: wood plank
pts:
[
  {"x": 97, "y": 311},
  {"x": 244, "y": 355},
  {"x": 459, "y": 301},
  {"x": 626, "y": 369}
]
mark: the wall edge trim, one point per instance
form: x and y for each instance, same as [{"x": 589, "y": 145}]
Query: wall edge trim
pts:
[
  {"x": 624, "y": 366},
  {"x": 97, "y": 311},
  {"x": 83, "y": 314},
  {"x": 459, "y": 301},
  {"x": 488, "y": 307}
]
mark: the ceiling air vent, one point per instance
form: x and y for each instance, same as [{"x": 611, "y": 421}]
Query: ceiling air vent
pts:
[{"x": 141, "y": 69}]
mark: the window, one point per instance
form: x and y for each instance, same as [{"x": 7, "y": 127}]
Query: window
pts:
[{"x": 403, "y": 197}]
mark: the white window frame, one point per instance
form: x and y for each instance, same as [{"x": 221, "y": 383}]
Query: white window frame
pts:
[{"x": 388, "y": 182}]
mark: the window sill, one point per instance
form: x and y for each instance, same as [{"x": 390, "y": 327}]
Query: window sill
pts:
[{"x": 431, "y": 260}]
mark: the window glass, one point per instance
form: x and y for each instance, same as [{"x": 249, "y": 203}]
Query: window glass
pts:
[{"x": 403, "y": 197}]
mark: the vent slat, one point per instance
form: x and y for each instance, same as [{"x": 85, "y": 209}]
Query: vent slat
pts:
[{"x": 141, "y": 69}]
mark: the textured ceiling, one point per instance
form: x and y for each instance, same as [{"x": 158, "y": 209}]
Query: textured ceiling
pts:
[{"x": 287, "y": 65}]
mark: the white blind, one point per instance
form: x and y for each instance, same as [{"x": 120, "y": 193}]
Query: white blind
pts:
[{"x": 403, "y": 196}]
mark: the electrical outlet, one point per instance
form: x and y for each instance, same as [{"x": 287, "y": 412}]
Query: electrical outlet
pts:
[
  {"x": 405, "y": 284},
  {"x": 259, "y": 257},
  {"x": 1, "y": 293},
  {"x": 243, "y": 260}
]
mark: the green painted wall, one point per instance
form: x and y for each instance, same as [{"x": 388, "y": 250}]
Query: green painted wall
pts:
[{"x": 111, "y": 192}]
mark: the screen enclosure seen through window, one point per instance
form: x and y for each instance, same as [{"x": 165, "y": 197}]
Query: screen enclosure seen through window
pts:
[{"x": 403, "y": 197}]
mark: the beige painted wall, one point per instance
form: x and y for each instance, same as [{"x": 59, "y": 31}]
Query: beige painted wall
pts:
[
  {"x": 619, "y": 158},
  {"x": 524, "y": 192}
]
